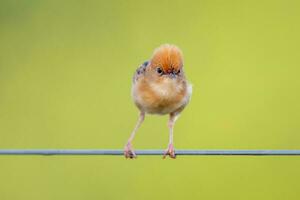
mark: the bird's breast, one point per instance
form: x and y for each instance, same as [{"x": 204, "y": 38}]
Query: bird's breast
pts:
[{"x": 160, "y": 97}]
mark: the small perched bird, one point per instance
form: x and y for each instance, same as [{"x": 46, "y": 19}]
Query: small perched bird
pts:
[{"x": 160, "y": 87}]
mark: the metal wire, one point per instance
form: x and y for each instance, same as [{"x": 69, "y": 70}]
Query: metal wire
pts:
[{"x": 149, "y": 152}]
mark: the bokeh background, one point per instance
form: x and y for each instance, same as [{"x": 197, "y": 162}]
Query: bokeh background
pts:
[{"x": 65, "y": 79}]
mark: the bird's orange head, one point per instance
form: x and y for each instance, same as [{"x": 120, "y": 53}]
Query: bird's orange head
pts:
[{"x": 167, "y": 60}]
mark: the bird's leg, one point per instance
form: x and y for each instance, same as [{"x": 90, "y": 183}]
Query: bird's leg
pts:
[
  {"x": 170, "y": 150},
  {"x": 128, "y": 151}
]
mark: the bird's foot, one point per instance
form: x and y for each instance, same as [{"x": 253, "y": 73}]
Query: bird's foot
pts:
[
  {"x": 170, "y": 152},
  {"x": 128, "y": 151}
]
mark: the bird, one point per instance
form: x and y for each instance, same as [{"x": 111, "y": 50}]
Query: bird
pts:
[{"x": 160, "y": 87}]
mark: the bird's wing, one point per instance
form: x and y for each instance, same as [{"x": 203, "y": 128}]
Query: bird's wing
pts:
[{"x": 140, "y": 71}]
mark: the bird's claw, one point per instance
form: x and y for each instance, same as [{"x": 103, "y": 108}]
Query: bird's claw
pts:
[
  {"x": 170, "y": 152},
  {"x": 128, "y": 151}
]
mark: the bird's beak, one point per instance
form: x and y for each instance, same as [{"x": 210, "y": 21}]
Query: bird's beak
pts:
[{"x": 172, "y": 75}]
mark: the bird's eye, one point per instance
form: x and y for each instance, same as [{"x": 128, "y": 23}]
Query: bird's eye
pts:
[
  {"x": 178, "y": 71},
  {"x": 159, "y": 70}
]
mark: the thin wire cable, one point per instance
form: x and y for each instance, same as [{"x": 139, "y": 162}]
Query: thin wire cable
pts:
[{"x": 118, "y": 152}]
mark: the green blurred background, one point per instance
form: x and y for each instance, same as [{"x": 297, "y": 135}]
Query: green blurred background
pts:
[{"x": 65, "y": 79}]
